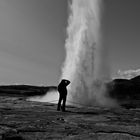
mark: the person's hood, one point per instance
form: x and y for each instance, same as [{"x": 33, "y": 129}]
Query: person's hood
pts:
[{"x": 65, "y": 81}]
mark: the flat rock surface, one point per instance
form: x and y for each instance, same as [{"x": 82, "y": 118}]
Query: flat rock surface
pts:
[{"x": 26, "y": 120}]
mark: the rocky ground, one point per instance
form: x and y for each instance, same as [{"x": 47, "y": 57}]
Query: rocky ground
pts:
[{"x": 26, "y": 120}]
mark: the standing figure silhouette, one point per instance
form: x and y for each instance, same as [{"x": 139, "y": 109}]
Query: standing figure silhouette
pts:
[{"x": 62, "y": 89}]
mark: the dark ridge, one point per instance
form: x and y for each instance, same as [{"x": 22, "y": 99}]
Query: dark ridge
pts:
[
  {"x": 126, "y": 92},
  {"x": 25, "y": 90},
  {"x": 136, "y": 80}
]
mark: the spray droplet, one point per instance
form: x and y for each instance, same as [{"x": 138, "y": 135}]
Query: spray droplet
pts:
[{"x": 83, "y": 54}]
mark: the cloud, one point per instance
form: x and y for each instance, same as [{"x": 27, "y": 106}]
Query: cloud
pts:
[{"x": 128, "y": 74}]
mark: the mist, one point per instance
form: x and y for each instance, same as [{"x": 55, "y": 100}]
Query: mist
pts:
[{"x": 85, "y": 65}]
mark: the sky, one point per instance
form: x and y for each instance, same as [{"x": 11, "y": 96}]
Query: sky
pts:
[
  {"x": 121, "y": 25},
  {"x": 33, "y": 33}
]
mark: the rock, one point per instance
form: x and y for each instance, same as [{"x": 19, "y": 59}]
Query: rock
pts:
[
  {"x": 40, "y": 121},
  {"x": 12, "y": 137}
]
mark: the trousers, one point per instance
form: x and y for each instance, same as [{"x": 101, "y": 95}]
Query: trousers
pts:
[{"x": 62, "y": 99}]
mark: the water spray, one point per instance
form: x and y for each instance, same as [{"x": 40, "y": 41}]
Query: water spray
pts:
[{"x": 83, "y": 65}]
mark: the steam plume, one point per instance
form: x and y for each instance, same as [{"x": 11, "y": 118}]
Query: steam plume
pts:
[{"x": 84, "y": 63}]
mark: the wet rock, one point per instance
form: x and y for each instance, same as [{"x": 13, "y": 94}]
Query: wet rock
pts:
[{"x": 39, "y": 121}]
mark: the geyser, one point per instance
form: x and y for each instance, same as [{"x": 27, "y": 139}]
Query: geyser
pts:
[{"x": 84, "y": 62}]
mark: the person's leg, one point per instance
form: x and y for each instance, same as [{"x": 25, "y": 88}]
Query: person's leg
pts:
[
  {"x": 59, "y": 103},
  {"x": 64, "y": 103}
]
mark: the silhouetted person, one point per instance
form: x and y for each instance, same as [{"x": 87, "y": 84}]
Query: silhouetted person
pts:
[{"x": 62, "y": 89}]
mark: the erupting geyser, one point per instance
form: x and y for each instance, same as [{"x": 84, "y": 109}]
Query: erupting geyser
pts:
[{"x": 83, "y": 65}]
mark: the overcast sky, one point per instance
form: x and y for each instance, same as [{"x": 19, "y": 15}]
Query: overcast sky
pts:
[{"x": 32, "y": 38}]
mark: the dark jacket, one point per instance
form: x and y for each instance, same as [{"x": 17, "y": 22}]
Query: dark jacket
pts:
[{"x": 62, "y": 86}]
